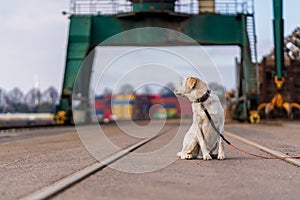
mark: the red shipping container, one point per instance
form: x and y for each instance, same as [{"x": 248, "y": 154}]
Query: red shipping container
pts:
[
  {"x": 107, "y": 109},
  {"x": 99, "y": 104},
  {"x": 157, "y": 100},
  {"x": 155, "y": 96}
]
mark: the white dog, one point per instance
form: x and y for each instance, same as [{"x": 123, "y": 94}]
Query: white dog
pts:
[{"x": 201, "y": 133}]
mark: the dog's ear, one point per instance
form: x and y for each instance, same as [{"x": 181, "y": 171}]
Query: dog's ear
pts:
[{"x": 190, "y": 83}]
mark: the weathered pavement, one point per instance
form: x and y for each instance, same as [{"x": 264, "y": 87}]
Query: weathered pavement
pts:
[{"x": 34, "y": 162}]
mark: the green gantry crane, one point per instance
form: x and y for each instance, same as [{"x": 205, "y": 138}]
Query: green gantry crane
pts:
[{"x": 209, "y": 22}]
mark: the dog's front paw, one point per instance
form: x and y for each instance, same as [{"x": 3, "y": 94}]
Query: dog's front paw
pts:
[
  {"x": 184, "y": 156},
  {"x": 207, "y": 157},
  {"x": 221, "y": 156}
]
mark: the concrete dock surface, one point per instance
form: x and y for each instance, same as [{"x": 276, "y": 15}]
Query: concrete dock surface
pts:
[{"x": 35, "y": 158}]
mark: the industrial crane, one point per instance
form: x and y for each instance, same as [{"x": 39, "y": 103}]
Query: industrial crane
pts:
[{"x": 277, "y": 103}]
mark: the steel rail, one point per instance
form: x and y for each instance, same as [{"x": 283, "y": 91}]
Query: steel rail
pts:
[{"x": 275, "y": 153}]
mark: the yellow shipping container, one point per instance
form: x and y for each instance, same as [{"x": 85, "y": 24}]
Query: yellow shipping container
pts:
[
  {"x": 122, "y": 106},
  {"x": 122, "y": 111},
  {"x": 129, "y": 97}
]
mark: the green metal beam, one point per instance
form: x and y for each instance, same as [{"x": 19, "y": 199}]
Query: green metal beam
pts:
[
  {"x": 278, "y": 37},
  {"x": 77, "y": 49},
  {"x": 78, "y": 45},
  {"x": 206, "y": 29}
]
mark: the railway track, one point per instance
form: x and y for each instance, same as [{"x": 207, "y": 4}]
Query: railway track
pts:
[
  {"x": 68, "y": 182},
  {"x": 61, "y": 185},
  {"x": 270, "y": 151}
]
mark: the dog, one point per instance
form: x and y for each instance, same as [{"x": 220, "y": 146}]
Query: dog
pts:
[{"x": 201, "y": 139}]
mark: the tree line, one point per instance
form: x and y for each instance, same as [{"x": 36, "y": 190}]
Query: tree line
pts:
[{"x": 34, "y": 101}]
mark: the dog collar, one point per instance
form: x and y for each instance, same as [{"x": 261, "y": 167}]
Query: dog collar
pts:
[{"x": 204, "y": 97}]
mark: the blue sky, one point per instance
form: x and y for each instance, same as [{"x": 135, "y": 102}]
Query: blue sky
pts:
[{"x": 33, "y": 38}]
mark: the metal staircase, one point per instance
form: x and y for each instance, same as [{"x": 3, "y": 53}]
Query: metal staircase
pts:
[
  {"x": 252, "y": 37},
  {"x": 248, "y": 69},
  {"x": 250, "y": 57}
]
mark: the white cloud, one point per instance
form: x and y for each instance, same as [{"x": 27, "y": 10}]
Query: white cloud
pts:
[{"x": 33, "y": 41}]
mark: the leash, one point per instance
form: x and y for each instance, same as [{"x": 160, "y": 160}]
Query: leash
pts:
[{"x": 229, "y": 143}]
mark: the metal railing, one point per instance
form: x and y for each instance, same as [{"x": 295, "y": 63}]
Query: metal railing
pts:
[
  {"x": 111, "y": 7},
  {"x": 227, "y": 7},
  {"x": 99, "y": 7}
]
